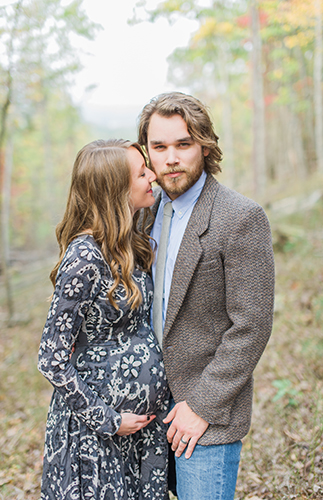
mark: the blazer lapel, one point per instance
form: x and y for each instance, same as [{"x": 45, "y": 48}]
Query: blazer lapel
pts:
[
  {"x": 150, "y": 219},
  {"x": 157, "y": 192},
  {"x": 190, "y": 250}
]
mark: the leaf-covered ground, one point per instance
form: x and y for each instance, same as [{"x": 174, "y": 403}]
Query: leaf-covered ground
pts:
[
  {"x": 283, "y": 454},
  {"x": 282, "y": 457}
]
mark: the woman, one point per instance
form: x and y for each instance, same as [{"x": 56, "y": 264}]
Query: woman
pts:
[{"x": 105, "y": 438}]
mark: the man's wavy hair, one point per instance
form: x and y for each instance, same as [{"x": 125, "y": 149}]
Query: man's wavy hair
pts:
[{"x": 196, "y": 117}]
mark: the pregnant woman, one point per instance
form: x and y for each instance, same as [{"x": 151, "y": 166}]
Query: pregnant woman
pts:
[{"x": 105, "y": 438}]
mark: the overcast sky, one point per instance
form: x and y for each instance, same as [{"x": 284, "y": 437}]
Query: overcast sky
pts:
[
  {"x": 127, "y": 63},
  {"x": 125, "y": 66}
]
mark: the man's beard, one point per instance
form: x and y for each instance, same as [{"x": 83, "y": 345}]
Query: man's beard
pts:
[{"x": 179, "y": 185}]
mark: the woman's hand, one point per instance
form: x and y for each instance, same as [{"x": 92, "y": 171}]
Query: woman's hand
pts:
[{"x": 132, "y": 423}]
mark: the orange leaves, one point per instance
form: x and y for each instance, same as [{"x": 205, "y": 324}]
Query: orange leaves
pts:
[
  {"x": 211, "y": 27},
  {"x": 292, "y": 14}
]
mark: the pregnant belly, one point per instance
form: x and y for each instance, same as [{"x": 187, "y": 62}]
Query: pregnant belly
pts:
[{"x": 128, "y": 377}]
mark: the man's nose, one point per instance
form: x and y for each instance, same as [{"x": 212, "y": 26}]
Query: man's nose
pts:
[{"x": 172, "y": 157}]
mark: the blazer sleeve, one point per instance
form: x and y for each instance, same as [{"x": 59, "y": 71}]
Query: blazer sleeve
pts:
[
  {"x": 78, "y": 282},
  {"x": 249, "y": 288}
]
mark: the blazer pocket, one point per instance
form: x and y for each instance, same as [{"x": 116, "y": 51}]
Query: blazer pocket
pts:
[
  {"x": 208, "y": 266},
  {"x": 209, "y": 283}
]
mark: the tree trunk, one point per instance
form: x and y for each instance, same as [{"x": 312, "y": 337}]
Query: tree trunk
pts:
[
  {"x": 5, "y": 215},
  {"x": 48, "y": 164},
  {"x": 259, "y": 150},
  {"x": 307, "y": 123},
  {"x": 318, "y": 86},
  {"x": 227, "y": 123},
  {"x": 7, "y": 167},
  {"x": 296, "y": 149}
]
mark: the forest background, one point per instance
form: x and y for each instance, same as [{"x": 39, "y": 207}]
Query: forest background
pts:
[{"x": 258, "y": 65}]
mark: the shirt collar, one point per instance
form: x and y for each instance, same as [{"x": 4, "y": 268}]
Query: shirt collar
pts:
[{"x": 187, "y": 199}]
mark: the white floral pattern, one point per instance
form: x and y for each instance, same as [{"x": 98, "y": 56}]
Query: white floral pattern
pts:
[
  {"x": 116, "y": 366},
  {"x": 130, "y": 365},
  {"x": 73, "y": 287}
]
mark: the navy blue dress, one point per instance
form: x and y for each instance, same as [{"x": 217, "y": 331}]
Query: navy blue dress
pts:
[{"x": 116, "y": 367}]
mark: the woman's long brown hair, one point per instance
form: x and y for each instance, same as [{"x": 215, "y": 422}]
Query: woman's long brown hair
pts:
[{"x": 98, "y": 201}]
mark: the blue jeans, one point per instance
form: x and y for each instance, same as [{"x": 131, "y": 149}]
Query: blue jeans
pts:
[{"x": 209, "y": 474}]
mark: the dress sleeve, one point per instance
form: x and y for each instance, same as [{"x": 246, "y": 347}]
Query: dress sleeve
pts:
[{"x": 77, "y": 284}]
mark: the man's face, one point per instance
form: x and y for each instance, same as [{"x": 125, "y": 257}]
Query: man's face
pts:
[{"x": 176, "y": 159}]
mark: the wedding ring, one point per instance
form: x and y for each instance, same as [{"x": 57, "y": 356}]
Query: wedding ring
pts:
[{"x": 184, "y": 442}]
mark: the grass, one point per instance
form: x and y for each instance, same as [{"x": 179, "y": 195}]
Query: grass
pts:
[
  {"x": 282, "y": 456},
  {"x": 23, "y": 406}
]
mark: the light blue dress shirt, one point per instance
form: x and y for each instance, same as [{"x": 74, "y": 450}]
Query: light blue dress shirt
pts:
[{"x": 182, "y": 210}]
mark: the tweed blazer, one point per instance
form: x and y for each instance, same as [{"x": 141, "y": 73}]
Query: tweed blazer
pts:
[{"x": 220, "y": 310}]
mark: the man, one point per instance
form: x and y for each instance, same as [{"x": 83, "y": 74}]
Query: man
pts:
[{"x": 218, "y": 290}]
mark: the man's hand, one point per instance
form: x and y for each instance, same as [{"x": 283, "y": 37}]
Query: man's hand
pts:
[
  {"x": 132, "y": 423},
  {"x": 185, "y": 430}
]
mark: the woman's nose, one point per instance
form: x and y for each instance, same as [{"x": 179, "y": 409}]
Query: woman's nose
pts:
[{"x": 151, "y": 176}]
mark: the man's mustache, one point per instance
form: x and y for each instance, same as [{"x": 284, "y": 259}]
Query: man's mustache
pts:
[{"x": 172, "y": 170}]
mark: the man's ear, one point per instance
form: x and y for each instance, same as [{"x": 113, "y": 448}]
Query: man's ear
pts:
[{"x": 206, "y": 151}]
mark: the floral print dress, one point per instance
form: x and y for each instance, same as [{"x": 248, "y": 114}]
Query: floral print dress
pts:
[{"x": 116, "y": 367}]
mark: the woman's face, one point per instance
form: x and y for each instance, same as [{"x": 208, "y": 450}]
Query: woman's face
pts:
[{"x": 141, "y": 194}]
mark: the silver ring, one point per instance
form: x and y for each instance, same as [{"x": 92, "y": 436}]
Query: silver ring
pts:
[{"x": 184, "y": 442}]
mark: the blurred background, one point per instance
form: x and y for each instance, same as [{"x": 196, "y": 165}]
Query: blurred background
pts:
[{"x": 75, "y": 71}]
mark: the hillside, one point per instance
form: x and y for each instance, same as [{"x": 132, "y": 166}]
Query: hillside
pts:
[{"x": 282, "y": 456}]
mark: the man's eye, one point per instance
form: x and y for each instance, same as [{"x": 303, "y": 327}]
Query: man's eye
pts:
[
  {"x": 159, "y": 148},
  {"x": 184, "y": 144}
]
